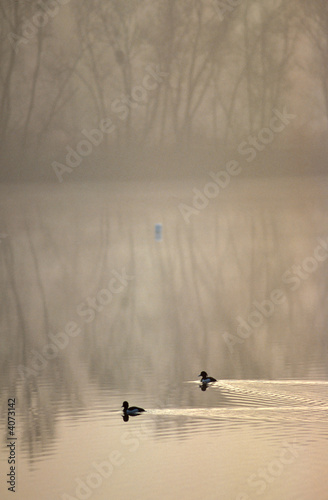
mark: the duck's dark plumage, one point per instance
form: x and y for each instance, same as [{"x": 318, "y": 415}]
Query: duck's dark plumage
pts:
[
  {"x": 132, "y": 410},
  {"x": 205, "y": 378}
]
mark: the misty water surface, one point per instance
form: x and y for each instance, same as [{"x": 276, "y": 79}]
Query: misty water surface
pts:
[{"x": 173, "y": 309}]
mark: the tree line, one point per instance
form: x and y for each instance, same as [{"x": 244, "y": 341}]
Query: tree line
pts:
[{"x": 168, "y": 74}]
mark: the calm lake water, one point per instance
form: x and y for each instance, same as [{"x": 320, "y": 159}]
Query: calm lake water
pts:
[{"x": 95, "y": 310}]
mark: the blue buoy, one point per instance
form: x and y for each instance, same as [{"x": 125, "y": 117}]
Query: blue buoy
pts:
[{"x": 158, "y": 232}]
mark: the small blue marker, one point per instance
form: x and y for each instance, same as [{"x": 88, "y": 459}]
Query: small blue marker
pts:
[{"x": 158, "y": 232}]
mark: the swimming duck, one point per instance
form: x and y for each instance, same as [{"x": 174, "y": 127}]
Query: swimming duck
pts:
[
  {"x": 133, "y": 410},
  {"x": 205, "y": 378}
]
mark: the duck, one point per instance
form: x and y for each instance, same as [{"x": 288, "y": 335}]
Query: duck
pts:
[
  {"x": 205, "y": 378},
  {"x": 133, "y": 410}
]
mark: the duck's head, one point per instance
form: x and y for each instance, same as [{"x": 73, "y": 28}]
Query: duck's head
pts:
[
  {"x": 125, "y": 405},
  {"x": 202, "y": 374}
]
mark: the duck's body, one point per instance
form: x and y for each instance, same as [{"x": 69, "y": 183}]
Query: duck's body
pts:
[
  {"x": 132, "y": 410},
  {"x": 205, "y": 378}
]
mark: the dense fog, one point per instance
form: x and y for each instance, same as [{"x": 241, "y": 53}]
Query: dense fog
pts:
[{"x": 123, "y": 90}]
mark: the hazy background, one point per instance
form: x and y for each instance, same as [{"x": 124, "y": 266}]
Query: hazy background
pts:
[{"x": 66, "y": 66}]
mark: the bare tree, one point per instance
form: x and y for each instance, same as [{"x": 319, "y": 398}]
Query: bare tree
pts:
[{"x": 314, "y": 23}]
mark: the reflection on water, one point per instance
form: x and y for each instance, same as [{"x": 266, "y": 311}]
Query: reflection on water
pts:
[{"x": 96, "y": 309}]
